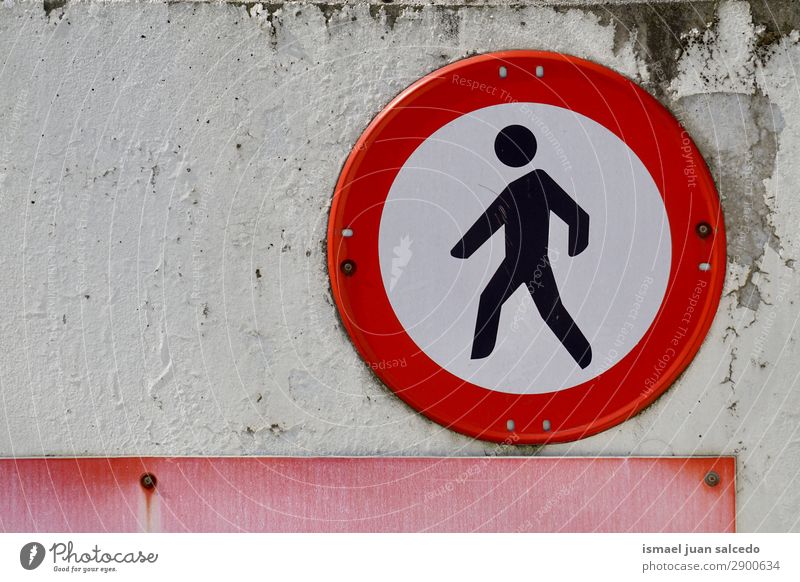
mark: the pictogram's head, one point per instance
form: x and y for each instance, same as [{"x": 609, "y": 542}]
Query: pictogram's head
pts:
[{"x": 515, "y": 146}]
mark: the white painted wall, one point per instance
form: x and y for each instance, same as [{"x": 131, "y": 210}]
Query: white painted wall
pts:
[{"x": 156, "y": 158}]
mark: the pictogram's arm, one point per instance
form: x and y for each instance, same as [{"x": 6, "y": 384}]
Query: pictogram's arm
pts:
[
  {"x": 487, "y": 224},
  {"x": 565, "y": 207}
]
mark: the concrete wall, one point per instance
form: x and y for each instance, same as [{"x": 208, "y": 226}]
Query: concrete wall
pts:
[{"x": 165, "y": 176}]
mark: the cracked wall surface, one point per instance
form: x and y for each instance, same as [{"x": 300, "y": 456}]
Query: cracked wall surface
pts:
[{"x": 166, "y": 171}]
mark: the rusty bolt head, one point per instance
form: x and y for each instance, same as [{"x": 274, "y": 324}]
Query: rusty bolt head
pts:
[
  {"x": 703, "y": 229},
  {"x": 712, "y": 479},
  {"x": 348, "y": 267},
  {"x": 148, "y": 481}
]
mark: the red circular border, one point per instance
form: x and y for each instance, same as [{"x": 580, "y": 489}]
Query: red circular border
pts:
[{"x": 624, "y": 108}]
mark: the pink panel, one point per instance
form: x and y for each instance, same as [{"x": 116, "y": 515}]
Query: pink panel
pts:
[{"x": 368, "y": 494}]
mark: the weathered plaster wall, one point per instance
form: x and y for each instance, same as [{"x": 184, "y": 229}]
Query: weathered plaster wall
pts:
[{"x": 165, "y": 176}]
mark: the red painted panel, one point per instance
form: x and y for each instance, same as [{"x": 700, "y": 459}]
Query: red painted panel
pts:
[{"x": 368, "y": 494}]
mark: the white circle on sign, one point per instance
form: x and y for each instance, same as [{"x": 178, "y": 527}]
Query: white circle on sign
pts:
[{"x": 612, "y": 290}]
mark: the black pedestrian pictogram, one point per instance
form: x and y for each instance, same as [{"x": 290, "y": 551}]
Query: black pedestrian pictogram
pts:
[{"x": 524, "y": 208}]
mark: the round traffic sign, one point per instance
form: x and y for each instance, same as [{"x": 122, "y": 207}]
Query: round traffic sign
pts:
[{"x": 526, "y": 247}]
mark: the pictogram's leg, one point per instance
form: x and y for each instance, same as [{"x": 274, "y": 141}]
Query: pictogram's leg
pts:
[
  {"x": 498, "y": 290},
  {"x": 545, "y": 295}
]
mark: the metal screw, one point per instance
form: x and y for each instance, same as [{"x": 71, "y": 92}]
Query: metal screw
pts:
[
  {"x": 148, "y": 481},
  {"x": 712, "y": 479},
  {"x": 703, "y": 229},
  {"x": 348, "y": 267}
]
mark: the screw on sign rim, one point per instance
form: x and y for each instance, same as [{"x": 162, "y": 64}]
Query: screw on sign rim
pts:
[{"x": 696, "y": 268}]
